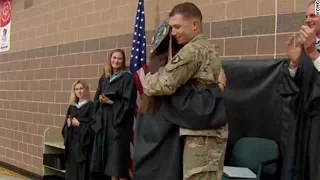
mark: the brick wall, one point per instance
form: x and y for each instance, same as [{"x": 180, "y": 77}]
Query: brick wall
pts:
[{"x": 55, "y": 42}]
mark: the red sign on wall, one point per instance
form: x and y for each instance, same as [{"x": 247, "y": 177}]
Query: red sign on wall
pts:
[{"x": 5, "y": 24}]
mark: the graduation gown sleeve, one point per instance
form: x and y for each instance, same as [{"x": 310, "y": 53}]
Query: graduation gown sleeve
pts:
[
  {"x": 97, "y": 111},
  {"x": 124, "y": 107},
  {"x": 97, "y": 94},
  {"x": 98, "y": 91},
  {"x": 97, "y": 127},
  {"x": 86, "y": 133},
  {"x": 64, "y": 131},
  {"x": 289, "y": 86},
  {"x": 196, "y": 110},
  {"x": 303, "y": 81}
]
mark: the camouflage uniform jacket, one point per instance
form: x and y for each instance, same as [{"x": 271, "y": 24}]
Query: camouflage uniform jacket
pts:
[{"x": 198, "y": 63}]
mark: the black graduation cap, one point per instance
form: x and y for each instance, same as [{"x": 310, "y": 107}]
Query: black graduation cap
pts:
[{"x": 160, "y": 36}]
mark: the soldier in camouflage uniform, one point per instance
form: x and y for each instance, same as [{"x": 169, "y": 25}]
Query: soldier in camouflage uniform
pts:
[{"x": 197, "y": 62}]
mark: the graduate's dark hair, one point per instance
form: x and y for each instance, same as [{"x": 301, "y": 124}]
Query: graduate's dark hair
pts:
[
  {"x": 159, "y": 58},
  {"x": 108, "y": 70},
  {"x": 151, "y": 104},
  {"x": 73, "y": 97}
]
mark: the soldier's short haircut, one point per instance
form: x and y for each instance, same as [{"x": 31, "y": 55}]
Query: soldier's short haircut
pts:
[{"x": 187, "y": 9}]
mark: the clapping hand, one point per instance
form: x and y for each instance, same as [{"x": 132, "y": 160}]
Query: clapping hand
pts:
[
  {"x": 308, "y": 39},
  {"x": 293, "y": 51}
]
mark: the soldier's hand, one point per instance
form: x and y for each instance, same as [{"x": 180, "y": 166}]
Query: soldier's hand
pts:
[
  {"x": 222, "y": 79},
  {"x": 293, "y": 51}
]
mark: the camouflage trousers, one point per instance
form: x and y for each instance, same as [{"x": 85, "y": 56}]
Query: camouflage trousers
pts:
[{"x": 203, "y": 157}]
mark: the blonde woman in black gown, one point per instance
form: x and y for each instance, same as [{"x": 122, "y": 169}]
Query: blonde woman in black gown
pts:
[{"x": 77, "y": 132}]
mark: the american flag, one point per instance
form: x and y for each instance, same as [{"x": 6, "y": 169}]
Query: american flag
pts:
[{"x": 138, "y": 61}]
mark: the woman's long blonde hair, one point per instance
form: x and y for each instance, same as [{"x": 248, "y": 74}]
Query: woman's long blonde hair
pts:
[
  {"x": 108, "y": 70},
  {"x": 73, "y": 98}
]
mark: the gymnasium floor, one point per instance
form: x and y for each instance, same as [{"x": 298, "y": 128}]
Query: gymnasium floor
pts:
[{"x": 6, "y": 174}]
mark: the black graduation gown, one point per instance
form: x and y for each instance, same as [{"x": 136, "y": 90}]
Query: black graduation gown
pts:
[
  {"x": 301, "y": 143},
  {"x": 158, "y": 147},
  {"x": 78, "y": 142},
  {"x": 113, "y": 127}
]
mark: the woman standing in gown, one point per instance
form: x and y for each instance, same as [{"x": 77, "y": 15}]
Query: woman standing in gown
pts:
[
  {"x": 77, "y": 132},
  {"x": 114, "y": 105}
]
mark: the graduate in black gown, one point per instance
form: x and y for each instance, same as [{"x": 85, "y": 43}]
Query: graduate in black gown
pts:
[
  {"x": 77, "y": 132},
  {"x": 115, "y": 102},
  {"x": 301, "y": 89},
  {"x": 158, "y": 146}
]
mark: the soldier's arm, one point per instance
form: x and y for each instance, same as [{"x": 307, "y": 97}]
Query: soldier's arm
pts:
[{"x": 176, "y": 73}]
